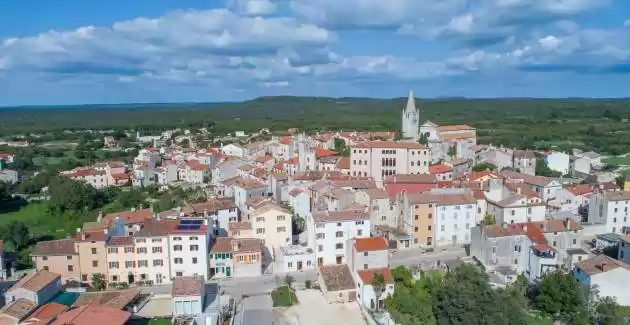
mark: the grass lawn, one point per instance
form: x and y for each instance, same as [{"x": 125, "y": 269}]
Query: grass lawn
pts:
[
  {"x": 283, "y": 297},
  {"x": 533, "y": 319},
  {"x": 42, "y": 223},
  {"x": 616, "y": 161}
]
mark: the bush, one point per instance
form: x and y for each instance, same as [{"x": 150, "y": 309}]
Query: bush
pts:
[
  {"x": 283, "y": 297},
  {"x": 308, "y": 284}
]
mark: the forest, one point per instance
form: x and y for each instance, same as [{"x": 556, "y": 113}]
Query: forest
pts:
[{"x": 590, "y": 124}]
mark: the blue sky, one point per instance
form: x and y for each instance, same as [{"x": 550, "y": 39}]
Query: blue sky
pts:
[{"x": 76, "y": 51}]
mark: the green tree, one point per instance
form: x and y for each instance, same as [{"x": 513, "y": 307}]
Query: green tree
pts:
[
  {"x": 98, "y": 282},
  {"x": 560, "y": 296},
  {"x": 378, "y": 285},
  {"x": 489, "y": 219},
  {"x": 484, "y": 166},
  {"x": 424, "y": 139},
  {"x": 452, "y": 150},
  {"x": 608, "y": 312},
  {"x": 17, "y": 234},
  {"x": 5, "y": 191},
  {"x": 340, "y": 147},
  {"x": 542, "y": 169}
]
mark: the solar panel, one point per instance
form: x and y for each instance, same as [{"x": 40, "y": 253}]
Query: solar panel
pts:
[
  {"x": 185, "y": 222},
  {"x": 196, "y": 222},
  {"x": 194, "y": 227}
]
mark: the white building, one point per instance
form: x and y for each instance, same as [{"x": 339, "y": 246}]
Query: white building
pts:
[
  {"x": 295, "y": 258},
  {"x": 455, "y": 215},
  {"x": 188, "y": 296},
  {"x": 378, "y": 159},
  {"x": 558, "y": 161},
  {"x": 188, "y": 248},
  {"x": 611, "y": 277},
  {"x": 331, "y": 230},
  {"x": 513, "y": 202},
  {"x": 610, "y": 208},
  {"x": 233, "y": 149}
]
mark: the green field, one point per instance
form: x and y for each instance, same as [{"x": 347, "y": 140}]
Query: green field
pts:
[
  {"x": 616, "y": 161},
  {"x": 42, "y": 222}
]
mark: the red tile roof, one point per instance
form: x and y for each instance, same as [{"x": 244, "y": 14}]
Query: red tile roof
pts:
[
  {"x": 439, "y": 169},
  {"x": 46, "y": 313},
  {"x": 285, "y": 140},
  {"x": 580, "y": 189},
  {"x": 187, "y": 286},
  {"x": 95, "y": 235},
  {"x": 370, "y": 244},
  {"x": 321, "y": 152},
  {"x": 93, "y": 314},
  {"x": 343, "y": 163},
  {"x": 393, "y": 189},
  {"x": 389, "y": 144},
  {"x": 264, "y": 159},
  {"x": 200, "y": 167},
  {"x": 129, "y": 217},
  {"x": 367, "y": 275}
]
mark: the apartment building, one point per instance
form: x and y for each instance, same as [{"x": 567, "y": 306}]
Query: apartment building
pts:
[
  {"x": 368, "y": 257},
  {"x": 151, "y": 244},
  {"x": 188, "y": 247},
  {"x": 58, "y": 256},
  {"x": 90, "y": 247},
  {"x": 610, "y": 208},
  {"x": 121, "y": 260},
  {"x": 454, "y": 215},
  {"x": 532, "y": 248},
  {"x": 331, "y": 231},
  {"x": 272, "y": 224},
  {"x": 513, "y": 202},
  {"x": 378, "y": 159},
  {"x": 423, "y": 220}
]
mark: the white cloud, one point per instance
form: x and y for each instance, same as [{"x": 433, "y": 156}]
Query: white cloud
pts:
[{"x": 253, "y": 7}]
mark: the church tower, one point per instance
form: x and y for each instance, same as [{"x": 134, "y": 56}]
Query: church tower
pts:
[
  {"x": 410, "y": 119},
  {"x": 306, "y": 154}
]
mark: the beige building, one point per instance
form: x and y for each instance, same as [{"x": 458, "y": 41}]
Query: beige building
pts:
[
  {"x": 152, "y": 245},
  {"x": 90, "y": 246},
  {"x": 272, "y": 224},
  {"x": 422, "y": 221},
  {"x": 379, "y": 159},
  {"x": 120, "y": 259},
  {"x": 58, "y": 256}
]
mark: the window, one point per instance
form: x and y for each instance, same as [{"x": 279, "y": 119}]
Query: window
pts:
[
  {"x": 254, "y": 257},
  {"x": 383, "y": 218},
  {"x": 574, "y": 241},
  {"x": 112, "y": 250},
  {"x": 194, "y": 260},
  {"x": 515, "y": 261},
  {"x": 177, "y": 248},
  {"x": 241, "y": 258},
  {"x": 113, "y": 265},
  {"x": 70, "y": 268},
  {"x": 94, "y": 251},
  {"x": 512, "y": 212},
  {"x": 84, "y": 277},
  {"x": 143, "y": 263},
  {"x": 156, "y": 240},
  {"x": 141, "y": 240},
  {"x": 429, "y": 228},
  {"x": 554, "y": 243},
  {"x": 260, "y": 219},
  {"x": 179, "y": 260},
  {"x": 281, "y": 229},
  {"x": 494, "y": 249},
  {"x": 156, "y": 250},
  {"x": 194, "y": 248},
  {"x": 320, "y": 248},
  {"x": 142, "y": 250},
  {"x": 128, "y": 264},
  {"x": 177, "y": 238},
  {"x": 46, "y": 268},
  {"x": 442, "y": 228},
  {"x": 45, "y": 258},
  {"x": 95, "y": 263},
  {"x": 280, "y": 218},
  {"x": 360, "y": 232},
  {"x": 69, "y": 257},
  {"x": 179, "y": 273},
  {"x": 339, "y": 234},
  {"x": 260, "y": 230},
  {"x": 158, "y": 263},
  {"x": 128, "y": 249},
  {"x": 467, "y": 226},
  {"x": 290, "y": 264},
  {"x": 320, "y": 236},
  {"x": 430, "y": 215},
  {"x": 338, "y": 224},
  {"x": 415, "y": 229},
  {"x": 339, "y": 246}
]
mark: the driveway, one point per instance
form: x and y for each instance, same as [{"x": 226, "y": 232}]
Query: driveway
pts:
[{"x": 254, "y": 310}]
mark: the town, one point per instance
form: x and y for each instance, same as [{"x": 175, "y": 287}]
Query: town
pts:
[{"x": 335, "y": 227}]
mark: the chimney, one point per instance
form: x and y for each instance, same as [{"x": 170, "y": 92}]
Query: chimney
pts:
[
  {"x": 82, "y": 236},
  {"x": 604, "y": 267},
  {"x": 105, "y": 231},
  {"x": 78, "y": 230},
  {"x": 505, "y": 225},
  {"x": 567, "y": 224},
  {"x": 525, "y": 227},
  {"x": 133, "y": 209},
  {"x": 518, "y": 190}
]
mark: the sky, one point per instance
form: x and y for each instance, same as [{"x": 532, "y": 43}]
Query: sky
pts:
[{"x": 115, "y": 51}]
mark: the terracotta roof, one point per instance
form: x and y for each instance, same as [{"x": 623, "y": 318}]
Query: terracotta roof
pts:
[
  {"x": 83, "y": 172},
  {"x": 617, "y": 195},
  {"x": 411, "y": 178},
  {"x": 55, "y": 247},
  {"x": 295, "y": 192},
  {"x": 118, "y": 299},
  {"x": 46, "y": 313},
  {"x": 580, "y": 189},
  {"x": 393, "y": 189},
  {"x": 367, "y": 275},
  {"x": 18, "y": 309},
  {"x": 268, "y": 206},
  {"x": 540, "y": 181},
  {"x": 439, "y": 169},
  {"x": 130, "y": 217},
  {"x": 321, "y": 152},
  {"x": 479, "y": 195},
  {"x": 389, "y": 145},
  {"x": 337, "y": 277},
  {"x": 120, "y": 241},
  {"x": 442, "y": 199},
  {"x": 152, "y": 228},
  {"x": 460, "y": 127},
  {"x": 222, "y": 245},
  {"x": 212, "y": 205},
  {"x": 200, "y": 167},
  {"x": 596, "y": 264},
  {"x": 256, "y": 201},
  {"x": 188, "y": 286},
  {"x": 120, "y": 176},
  {"x": 343, "y": 163},
  {"x": 370, "y": 244},
  {"x": 524, "y": 154},
  {"x": 523, "y": 189},
  {"x": 95, "y": 235},
  {"x": 343, "y": 215},
  {"x": 93, "y": 315},
  {"x": 547, "y": 226},
  {"x": 238, "y": 226},
  {"x": 264, "y": 159},
  {"x": 247, "y": 183},
  {"x": 248, "y": 245},
  {"x": 376, "y": 193},
  {"x": 285, "y": 140},
  {"x": 36, "y": 281}
]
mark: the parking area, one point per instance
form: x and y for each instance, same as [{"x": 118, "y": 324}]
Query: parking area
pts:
[{"x": 313, "y": 309}]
